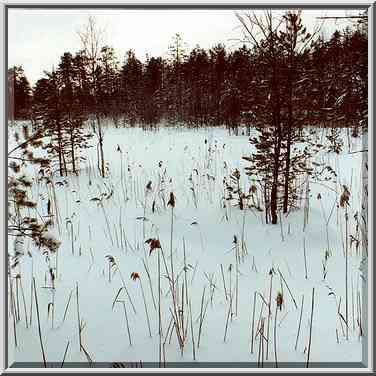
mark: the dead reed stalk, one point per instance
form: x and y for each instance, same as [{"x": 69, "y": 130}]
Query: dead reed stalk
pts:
[
  {"x": 310, "y": 327},
  {"x": 135, "y": 276},
  {"x": 192, "y": 334},
  {"x": 150, "y": 284},
  {"x": 269, "y": 313},
  {"x": 24, "y": 303},
  {"x": 253, "y": 320},
  {"x": 227, "y": 319},
  {"x": 78, "y": 318},
  {"x": 292, "y": 297},
  {"x": 224, "y": 282},
  {"x": 65, "y": 354},
  {"x": 201, "y": 318},
  {"x": 39, "y": 328},
  {"x": 275, "y": 336},
  {"x": 305, "y": 259},
  {"x": 300, "y": 321},
  {"x": 127, "y": 322},
  {"x": 12, "y": 306}
]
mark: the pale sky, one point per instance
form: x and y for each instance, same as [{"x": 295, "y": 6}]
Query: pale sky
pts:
[{"x": 37, "y": 38}]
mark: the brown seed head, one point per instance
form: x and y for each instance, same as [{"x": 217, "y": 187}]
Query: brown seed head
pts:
[
  {"x": 345, "y": 197},
  {"x": 279, "y": 300},
  {"x": 153, "y": 244},
  {"x": 171, "y": 201},
  {"x": 135, "y": 276}
]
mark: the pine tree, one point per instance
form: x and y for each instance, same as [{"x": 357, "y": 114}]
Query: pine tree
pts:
[
  {"x": 218, "y": 61},
  {"x": 48, "y": 112},
  {"x": 58, "y": 111},
  {"x": 131, "y": 87},
  {"x": 107, "y": 74},
  {"x": 23, "y": 218},
  {"x": 73, "y": 118},
  {"x": 294, "y": 41},
  {"x": 177, "y": 51},
  {"x": 279, "y": 111},
  {"x": 19, "y": 94},
  {"x": 196, "y": 100},
  {"x": 152, "y": 91}
]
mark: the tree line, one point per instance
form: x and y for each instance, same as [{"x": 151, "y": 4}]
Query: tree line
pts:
[{"x": 204, "y": 87}]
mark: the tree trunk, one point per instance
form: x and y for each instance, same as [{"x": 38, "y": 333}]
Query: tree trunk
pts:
[
  {"x": 276, "y": 169},
  {"x": 60, "y": 148},
  {"x": 287, "y": 171},
  {"x": 100, "y": 135},
  {"x": 289, "y": 135},
  {"x": 277, "y": 152},
  {"x": 72, "y": 151},
  {"x": 276, "y": 109},
  {"x": 273, "y": 194}
]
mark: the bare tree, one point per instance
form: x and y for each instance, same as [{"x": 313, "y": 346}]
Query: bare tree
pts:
[{"x": 91, "y": 37}]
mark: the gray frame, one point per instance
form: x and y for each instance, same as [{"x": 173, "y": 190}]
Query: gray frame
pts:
[{"x": 366, "y": 366}]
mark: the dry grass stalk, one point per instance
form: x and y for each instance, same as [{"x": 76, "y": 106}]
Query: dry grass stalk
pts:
[
  {"x": 39, "y": 328},
  {"x": 340, "y": 316},
  {"x": 352, "y": 304},
  {"x": 78, "y": 318},
  {"x": 150, "y": 284},
  {"x": 113, "y": 263},
  {"x": 65, "y": 354},
  {"x": 310, "y": 327},
  {"x": 201, "y": 318},
  {"x": 260, "y": 360},
  {"x": 155, "y": 244},
  {"x": 178, "y": 333},
  {"x": 182, "y": 311},
  {"x": 271, "y": 272},
  {"x": 230, "y": 289},
  {"x": 227, "y": 319},
  {"x": 135, "y": 276},
  {"x": 275, "y": 336},
  {"x": 127, "y": 322},
  {"x": 31, "y": 293},
  {"x": 185, "y": 273},
  {"x": 237, "y": 274},
  {"x": 260, "y": 316},
  {"x": 300, "y": 321},
  {"x": 159, "y": 308},
  {"x": 24, "y": 303},
  {"x": 171, "y": 203},
  {"x": 224, "y": 282},
  {"x": 292, "y": 297},
  {"x": 253, "y": 320},
  {"x": 67, "y": 306},
  {"x": 17, "y": 300},
  {"x": 359, "y": 316},
  {"x": 192, "y": 334},
  {"x": 88, "y": 357},
  {"x": 12, "y": 306},
  {"x": 168, "y": 331},
  {"x": 346, "y": 270},
  {"x": 305, "y": 259}
]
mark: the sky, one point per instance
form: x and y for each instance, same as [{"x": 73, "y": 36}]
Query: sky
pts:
[{"x": 38, "y": 37}]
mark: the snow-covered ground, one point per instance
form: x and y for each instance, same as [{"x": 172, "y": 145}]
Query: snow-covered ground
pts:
[{"x": 192, "y": 164}]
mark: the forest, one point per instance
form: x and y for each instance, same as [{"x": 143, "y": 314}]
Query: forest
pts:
[
  {"x": 202, "y": 158},
  {"x": 328, "y": 80}
]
